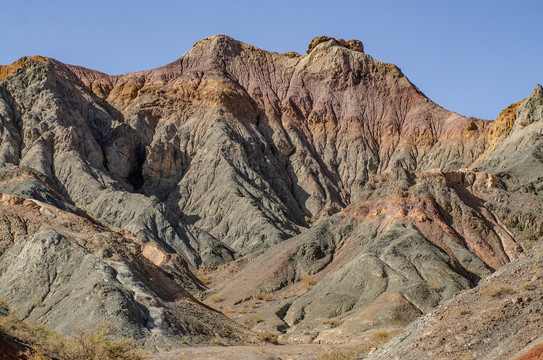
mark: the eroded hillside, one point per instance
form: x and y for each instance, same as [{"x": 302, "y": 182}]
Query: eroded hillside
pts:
[{"x": 322, "y": 195}]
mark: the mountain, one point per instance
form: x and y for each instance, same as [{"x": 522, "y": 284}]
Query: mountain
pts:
[{"x": 323, "y": 195}]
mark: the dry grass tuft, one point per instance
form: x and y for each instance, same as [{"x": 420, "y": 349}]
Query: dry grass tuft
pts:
[
  {"x": 498, "y": 290},
  {"x": 288, "y": 294},
  {"x": 227, "y": 311},
  {"x": 256, "y": 319},
  {"x": 242, "y": 310},
  {"x": 218, "y": 341},
  {"x": 528, "y": 286},
  {"x": 4, "y": 304},
  {"x": 103, "y": 343},
  {"x": 332, "y": 322},
  {"x": 382, "y": 337},
  {"x": 204, "y": 279},
  {"x": 215, "y": 298},
  {"x": 460, "y": 313},
  {"x": 308, "y": 281},
  {"x": 268, "y": 336},
  {"x": 262, "y": 296},
  {"x": 341, "y": 354}
]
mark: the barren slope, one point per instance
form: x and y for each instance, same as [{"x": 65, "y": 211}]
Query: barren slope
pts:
[{"x": 326, "y": 182}]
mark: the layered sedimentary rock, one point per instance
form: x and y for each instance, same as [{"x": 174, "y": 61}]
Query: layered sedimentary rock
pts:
[
  {"x": 280, "y": 137},
  {"x": 264, "y": 168},
  {"x": 71, "y": 272}
]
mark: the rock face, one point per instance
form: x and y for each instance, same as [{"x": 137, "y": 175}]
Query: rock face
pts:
[
  {"x": 78, "y": 272},
  {"x": 493, "y": 321},
  {"x": 517, "y": 160},
  {"x": 262, "y": 168},
  {"x": 283, "y": 138}
]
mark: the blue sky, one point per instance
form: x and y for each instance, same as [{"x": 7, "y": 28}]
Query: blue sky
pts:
[{"x": 471, "y": 56}]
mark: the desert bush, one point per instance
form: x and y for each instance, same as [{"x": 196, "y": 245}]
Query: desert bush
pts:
[
  {"x": 262, "y": 296},
  {"x": 288, "y": 294},
  {"x": 256, "y": 319},
  {"x": 218, "y": 341},
  {"x": 32, "y": 333},
  {"x": 528, "y": 286},
  {"x": 376, "y": 341},
  {"x": 242, "y": 310},
  {"x": 308, "y": 281},
  {"x": 310, "y": 220},
  {"x": 204, "y": 279},
  {"x": 460, "y": 312},
  {"x": 498, "y": 290},
  {"x": 382, "y": 336},
  {"x": 332, "y": 322},
  {"x": 215, "y": 298},
  {"x": 227, "y": 311},
  {"x": 37, "y": 304},
  {"x": 434, "y": 284},
  {"x": 4, "y": 304},
  {"x": 341, "y": 354},
  {"x": 268, "y": 336},
  {"x": 35, "y": 354},
  {"x": 102, "y": 343}
]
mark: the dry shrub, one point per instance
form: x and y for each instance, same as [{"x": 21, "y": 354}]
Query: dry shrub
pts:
[
  {"x": 332, "y": 322},
  {"x": 4, "y": 304},
  {"x": 242, "y": 310},
  {"x": 341, "y": 354},
  {"x": 262, "y": 296},
  {"x": 528, "y": 286},
  {"x": 498, "y": 290},
  {"x": 100, "y": 344},
  {"x": 377, "y": 340},
  {"x": 308, "y": 281},
  {"x": 434, "y": 284},
  {"x": 204, "y": 279},
  {"x": 460, "y": 312},
  {"x": 268, "y": 336},
  {"x": 256, "y": 319},
  {"x": 218, "y": 341},
  {"x": 37, "y": 304},
  {"x": 215, "y": 298},
  {"x": 288, "y": 294},
  {"x": 382, "y": 336},
  {"x": 36, "y": 354},
  {"x": 227, "y": 311},
  {"x": 33, "y": 333}
]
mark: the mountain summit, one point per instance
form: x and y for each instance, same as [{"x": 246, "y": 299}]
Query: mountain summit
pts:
[{"x": 257, "y": 170}]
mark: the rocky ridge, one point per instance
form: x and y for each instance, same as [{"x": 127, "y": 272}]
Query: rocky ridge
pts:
[{"x": 344, "y": 167}]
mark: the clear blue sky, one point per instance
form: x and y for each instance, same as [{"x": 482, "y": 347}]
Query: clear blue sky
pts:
[{"x": 471, "y": 56}]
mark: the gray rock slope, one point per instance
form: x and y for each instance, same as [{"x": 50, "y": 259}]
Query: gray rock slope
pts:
[
  {"x": 330, "y": 163},
  {"x": 71, "y": 272},
  {"x": 226, "y": 130}
]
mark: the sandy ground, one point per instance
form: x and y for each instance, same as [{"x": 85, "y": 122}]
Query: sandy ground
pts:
[{"x": 265, "y": 352}]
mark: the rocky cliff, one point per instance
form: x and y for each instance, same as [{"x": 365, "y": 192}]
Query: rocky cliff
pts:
[{"x": 259, "y": 169}]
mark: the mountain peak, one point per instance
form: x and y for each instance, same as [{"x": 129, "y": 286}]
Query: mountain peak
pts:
[
  {"x": 353, "y": 44},
  {"x": 7, "y": 70}
]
